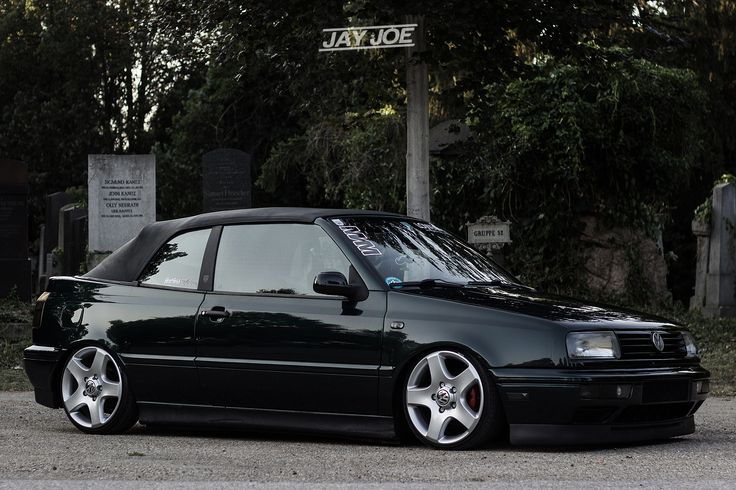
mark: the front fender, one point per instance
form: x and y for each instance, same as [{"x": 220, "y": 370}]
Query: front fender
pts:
[{"x": 500, "y": 339}]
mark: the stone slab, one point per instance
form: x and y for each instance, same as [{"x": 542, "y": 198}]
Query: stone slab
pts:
[
  {"x": 74, "y": 240},
  {"x": 13, "y": 224},
  {"x": 226, "y": 180},
  {"x": 54, "y": 202},
  {"x": 13, "y": 209},
  {"x": 720, "y": 290},
  {"x": 121, "y": 198}
]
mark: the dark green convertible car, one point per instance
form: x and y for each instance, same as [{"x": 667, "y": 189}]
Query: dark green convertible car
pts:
[{"x": 351, "y": 322}]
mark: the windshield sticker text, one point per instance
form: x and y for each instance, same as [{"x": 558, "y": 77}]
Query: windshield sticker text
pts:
[{"x": 360, "y": 241}]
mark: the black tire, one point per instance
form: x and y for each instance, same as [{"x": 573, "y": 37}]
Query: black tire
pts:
[
  {"x": 93, "y": 370},
  {"x": 488, "y": 423}
]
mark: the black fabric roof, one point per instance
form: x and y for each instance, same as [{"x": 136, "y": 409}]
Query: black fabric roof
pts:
[{"x": 126, "y": 263}]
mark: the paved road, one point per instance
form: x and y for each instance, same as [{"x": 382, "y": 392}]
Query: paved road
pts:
[{"x": 39, "y": 448}]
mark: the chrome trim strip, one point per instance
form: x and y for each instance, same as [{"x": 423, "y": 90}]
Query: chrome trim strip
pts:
[
  {"x": 254, "y": 362},
  {"x": 156, "y": 357},
  {"x": 267, "y": 362}
]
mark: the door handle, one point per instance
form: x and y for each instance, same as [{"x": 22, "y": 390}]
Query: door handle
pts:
[{"x": 217, "y": 314}]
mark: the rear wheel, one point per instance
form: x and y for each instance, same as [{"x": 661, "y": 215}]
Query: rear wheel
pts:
[
  {"x": 450, "y": 401},
  {"x": 95, "y": 392}
]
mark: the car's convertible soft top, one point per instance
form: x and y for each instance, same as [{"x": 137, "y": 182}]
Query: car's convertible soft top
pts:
[{"x": 126, "y": 263}]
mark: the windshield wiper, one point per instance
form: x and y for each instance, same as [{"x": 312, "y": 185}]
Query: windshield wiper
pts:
[
  {"x": 427, "y": 284},
  {"x": 499, "y": 283}
]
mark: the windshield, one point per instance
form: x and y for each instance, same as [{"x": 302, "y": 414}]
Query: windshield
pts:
[{"x": 409, "y": 251}]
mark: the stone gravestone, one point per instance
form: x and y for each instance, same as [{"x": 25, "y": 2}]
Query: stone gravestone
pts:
[
  {"x": 702, "y": 231},
  {"x": 226, "y": 182},
  {"x": 715, "y": 292},
  {"x": 72, "y": 221},
  {"x": 616, "y": 256},
  {"x": 54, "y": 202},
  {"x": 121, "y": 199},
  {"x": 14, "y": 262},
  {"x": 41, "y": 277},
  {"x": 47, "y": 266}
]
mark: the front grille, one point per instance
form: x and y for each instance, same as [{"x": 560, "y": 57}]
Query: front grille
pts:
[
  {"x": 639, "y": 345},
  {"x": 653, "y": 413}
]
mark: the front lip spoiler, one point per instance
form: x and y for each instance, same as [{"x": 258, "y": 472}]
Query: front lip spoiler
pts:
[
  {"x": 564, "y": 376},
  {"x": 566, "y": 435},
  {"x": 549, "y": 407}
]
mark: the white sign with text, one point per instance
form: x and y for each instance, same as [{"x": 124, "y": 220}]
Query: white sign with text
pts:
[
  {"x": 370, "y": 37},
  {"x": 489, "y": 232}
]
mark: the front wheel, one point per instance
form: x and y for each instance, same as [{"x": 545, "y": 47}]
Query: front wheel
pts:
[
  {"x": 450, "y": 402},
  {"x": 95, "y": 392}
]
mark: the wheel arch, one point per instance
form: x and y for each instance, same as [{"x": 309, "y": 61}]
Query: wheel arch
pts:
[
  {"x": 403, "y": 369},
  {"x": 69, "y": 350}
]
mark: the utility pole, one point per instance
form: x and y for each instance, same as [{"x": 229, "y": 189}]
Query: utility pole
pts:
[{"x": 417, "y": 125}]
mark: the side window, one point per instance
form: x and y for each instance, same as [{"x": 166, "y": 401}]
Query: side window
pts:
[
  {"x": 275, "y": 258},
  {"x": 178, "y": 262}
]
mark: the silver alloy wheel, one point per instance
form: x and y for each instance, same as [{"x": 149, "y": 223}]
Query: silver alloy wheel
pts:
[
  {"x": 91, "y": 387},
  {"x": 435, "y": 397}
]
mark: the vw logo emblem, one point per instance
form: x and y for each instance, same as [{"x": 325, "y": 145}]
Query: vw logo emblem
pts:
[
  {"x": 658, "y": 341},
  {"x": 90, "y": 387},
  {"x": 443, "y": 398}
]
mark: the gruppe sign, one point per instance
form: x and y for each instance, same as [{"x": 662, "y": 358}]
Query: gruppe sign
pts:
[{"x": 369, "y": 37}]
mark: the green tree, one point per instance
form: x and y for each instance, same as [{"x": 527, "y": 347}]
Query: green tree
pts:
[{"x": 616, "y": 137}]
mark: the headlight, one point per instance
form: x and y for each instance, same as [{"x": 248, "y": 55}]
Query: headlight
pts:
[
  {"x": 690, "y": 347},
  {"x": 592, "y": 345}
]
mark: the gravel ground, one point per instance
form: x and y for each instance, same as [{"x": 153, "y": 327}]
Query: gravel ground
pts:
[{"x": 39, "y": 448}]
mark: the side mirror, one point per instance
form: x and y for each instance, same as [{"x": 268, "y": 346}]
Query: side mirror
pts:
[{"x": 335, "y": 283}]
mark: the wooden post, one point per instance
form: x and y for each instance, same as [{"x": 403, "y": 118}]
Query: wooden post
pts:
[{"x": 417, "y": 126}]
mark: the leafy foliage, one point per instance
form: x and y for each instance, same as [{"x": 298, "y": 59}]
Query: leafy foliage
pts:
[
  {"x": 355, "y": 162},
  {"x": 594, "y": 139},
  {"x": 577, "y": 107}
]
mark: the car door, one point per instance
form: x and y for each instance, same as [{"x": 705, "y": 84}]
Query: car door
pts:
[
  {"x": 153, "y": 324},
  {"x": 266, "y": 340}
]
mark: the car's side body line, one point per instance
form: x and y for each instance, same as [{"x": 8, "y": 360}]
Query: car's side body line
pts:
[
  {"x": 370, "y": 426},
  {"x": 131, "y": 358},
  {"x": 300, "y": 366}
]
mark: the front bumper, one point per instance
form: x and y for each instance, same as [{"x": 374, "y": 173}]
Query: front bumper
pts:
[
  {"x": 41, "y": 364},
  {"x": 569, "y": 406}
]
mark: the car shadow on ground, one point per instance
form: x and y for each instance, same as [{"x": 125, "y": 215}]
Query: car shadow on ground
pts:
[
  {"x": 347, "y": 440},
  {"x": 257, "y": 435},
  {"x": 598, "y": 447}
]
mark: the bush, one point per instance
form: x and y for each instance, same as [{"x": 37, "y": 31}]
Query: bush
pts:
[{"x": 612, "y": 137}]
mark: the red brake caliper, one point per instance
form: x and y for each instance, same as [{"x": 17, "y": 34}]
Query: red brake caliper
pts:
[{"x": 473, "y": 398}]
